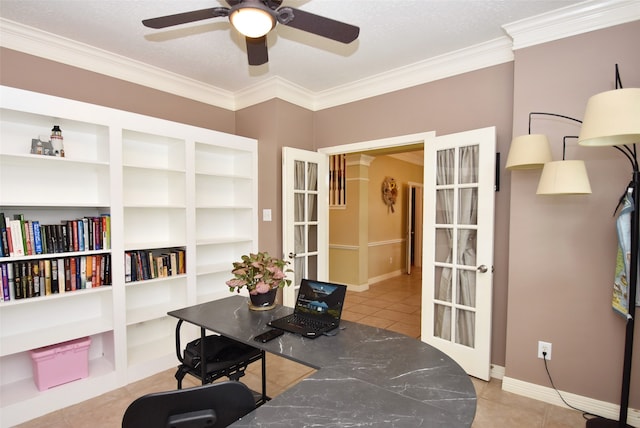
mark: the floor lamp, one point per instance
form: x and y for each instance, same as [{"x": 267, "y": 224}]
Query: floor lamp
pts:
[{"x": 612, "y": 118}]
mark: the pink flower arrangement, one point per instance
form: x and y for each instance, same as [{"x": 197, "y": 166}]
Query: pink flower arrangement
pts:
[{"x": 260, "y": 273}]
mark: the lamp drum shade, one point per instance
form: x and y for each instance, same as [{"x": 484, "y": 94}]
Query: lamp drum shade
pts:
[
  {"x": 612, "y": 118},
  {"x": 566, "y": 177},
  {"x": 530, "y": 151}
]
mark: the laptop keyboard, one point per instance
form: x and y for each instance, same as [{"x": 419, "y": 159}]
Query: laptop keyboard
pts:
[{"x": 308, "y": 322}]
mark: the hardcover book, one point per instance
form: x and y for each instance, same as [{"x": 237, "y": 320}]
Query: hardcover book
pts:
[{"x": 37, "y": 237}]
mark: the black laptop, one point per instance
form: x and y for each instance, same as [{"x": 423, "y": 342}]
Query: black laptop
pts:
[{"x": 318, "y": 309}]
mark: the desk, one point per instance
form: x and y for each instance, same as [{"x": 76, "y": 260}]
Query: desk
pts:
[{"x": 366, "y": 376}]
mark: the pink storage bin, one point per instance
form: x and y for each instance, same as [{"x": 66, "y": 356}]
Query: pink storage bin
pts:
[{"x": 62, "y": 363}]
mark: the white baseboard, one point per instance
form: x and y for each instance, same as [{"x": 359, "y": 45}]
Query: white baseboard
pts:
[
  {"x": 549, "y": 395},
  {"x": 496, "y": 372},
  {"x": 357, "y": 287},
  {"x": 385, "y": 276}
]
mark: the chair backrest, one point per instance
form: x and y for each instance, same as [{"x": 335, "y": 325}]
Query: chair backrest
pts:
[{"x": 212, "y": 406}]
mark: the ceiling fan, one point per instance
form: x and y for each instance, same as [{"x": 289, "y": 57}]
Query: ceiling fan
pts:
[{"x": 255, "y": 18}]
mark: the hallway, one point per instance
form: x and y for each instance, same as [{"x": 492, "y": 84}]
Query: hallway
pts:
[{"x": 393, "y": 304}]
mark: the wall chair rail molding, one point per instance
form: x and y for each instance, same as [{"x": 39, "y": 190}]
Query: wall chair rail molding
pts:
[{"x": 611, "y": 119}]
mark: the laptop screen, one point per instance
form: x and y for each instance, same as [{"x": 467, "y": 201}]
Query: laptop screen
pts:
[{"x": 321, "y": 300}]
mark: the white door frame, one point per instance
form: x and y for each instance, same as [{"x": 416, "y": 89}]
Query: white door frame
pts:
[{"x": 384, "y": 143}]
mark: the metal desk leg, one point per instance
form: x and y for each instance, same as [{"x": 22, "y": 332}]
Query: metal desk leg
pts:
[
  {"x": 203, "y": 360},
  {"x": 264, "y": 377}
]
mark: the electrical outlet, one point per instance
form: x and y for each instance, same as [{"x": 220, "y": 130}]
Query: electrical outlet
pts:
[{"x": 544, "y": 347}]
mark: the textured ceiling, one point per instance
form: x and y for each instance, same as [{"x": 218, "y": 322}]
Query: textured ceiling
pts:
[{"x": 393, "y": 34}]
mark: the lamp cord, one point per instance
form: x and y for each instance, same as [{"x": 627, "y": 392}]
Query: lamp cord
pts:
[{"x": 584, "y": 412}]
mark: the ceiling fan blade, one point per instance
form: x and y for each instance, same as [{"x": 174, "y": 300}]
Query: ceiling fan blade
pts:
[
  {"x": 257, "y": 50},
  {"x": 183, "y": 18},
  {"x": 325, "y": 27}
]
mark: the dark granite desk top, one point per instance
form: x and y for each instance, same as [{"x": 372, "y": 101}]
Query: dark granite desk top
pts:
[{"x": 367, "y": 377}]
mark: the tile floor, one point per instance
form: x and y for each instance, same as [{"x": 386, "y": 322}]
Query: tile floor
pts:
[{"x": 396, "y": 307}]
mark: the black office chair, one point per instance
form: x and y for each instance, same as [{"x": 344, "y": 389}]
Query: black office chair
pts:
[
  {"x": 224, "y": 357},
  {"x": 212, "y": 406}
]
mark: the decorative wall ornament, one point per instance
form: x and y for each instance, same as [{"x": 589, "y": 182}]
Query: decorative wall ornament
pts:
[{"x": 389, "y": 192}]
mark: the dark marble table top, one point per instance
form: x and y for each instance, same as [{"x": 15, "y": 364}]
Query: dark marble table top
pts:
[{"x": 367, "y": 376}]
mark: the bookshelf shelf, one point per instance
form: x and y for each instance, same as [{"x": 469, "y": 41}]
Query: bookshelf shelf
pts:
[
  {"x": 101, "y": 377},
  {"x": 65, "y": 295},
  {"x": 164, "y": 185}
]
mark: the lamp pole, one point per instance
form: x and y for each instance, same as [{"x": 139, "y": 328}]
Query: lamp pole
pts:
[
  {"x": 632, "y": 290},
  {"x": 633, "y": 287}
]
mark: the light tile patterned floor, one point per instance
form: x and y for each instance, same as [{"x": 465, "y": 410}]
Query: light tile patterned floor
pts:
[{"x": 393, "y": 304}]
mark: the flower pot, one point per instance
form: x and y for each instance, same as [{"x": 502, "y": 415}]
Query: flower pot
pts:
[{"x": 264, "y": 301}]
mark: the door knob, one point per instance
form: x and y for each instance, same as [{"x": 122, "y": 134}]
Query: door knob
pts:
[
  {"x": 482, "y": 269},
  {"x": 292, "y": 255}
]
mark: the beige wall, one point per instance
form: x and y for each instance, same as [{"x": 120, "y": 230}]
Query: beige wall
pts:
[
  {"x": 563, "y": 249},
  {"x": 367, "y": 240},
  {"x": 387, "y": 230},
  {"x": 349, "y": 227},
  {"x": 275, "y": 124}
]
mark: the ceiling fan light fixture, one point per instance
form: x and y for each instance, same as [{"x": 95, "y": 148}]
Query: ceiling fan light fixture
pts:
[{"x": 253, "y": 22}]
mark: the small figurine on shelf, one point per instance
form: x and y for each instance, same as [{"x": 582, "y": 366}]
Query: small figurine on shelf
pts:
[
  {"x": 56, "y": 141},
  {"x": 41, "y": 146}
]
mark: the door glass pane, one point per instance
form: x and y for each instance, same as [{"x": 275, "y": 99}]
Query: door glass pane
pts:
[
  {"x": 298, "y": 209},
  {"x": 313, "y": 267},
  {"x": 444, "y": 206},
  {"x": 299, "y": 244},
  {"x": 465, "y": 322},
  {"x": 468, "y": 206},
  {"x": 298, "y": 270},
  {"x": 466, "y": 288},
  {"x": 442, "y": 321},
  {"x": 443, "y": 285},
  {"x": 312, "y": 242},
  {"x": 468, "y": 167},
  {"x": 467, "y": 247},
  {"x": 444, "y": 251},
  {"x": 298, "y": 179},
  {"x": 312, "y": 181},
  {"x": 313, "y": 208},
  {"x": 445, "y": 173}
]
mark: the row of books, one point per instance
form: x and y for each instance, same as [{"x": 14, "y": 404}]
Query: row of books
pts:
[
  {"x": 33, "y": 278},
  {"x": 22, "y": 237},
  {"x": 141, "y": 265}
]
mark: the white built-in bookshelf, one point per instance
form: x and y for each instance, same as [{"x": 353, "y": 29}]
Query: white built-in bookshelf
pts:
[{"x": 166, "y": 188}]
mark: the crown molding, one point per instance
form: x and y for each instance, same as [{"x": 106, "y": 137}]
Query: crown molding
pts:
[
  {"x": 274, "y": 87},
  {"x": 355, "y": 159},
  {"x": 482, "y": 55},
  {"x": 416, "y": 158},
  {"x": 572, "y": 20},
  {"x": 40, "y": 43}
]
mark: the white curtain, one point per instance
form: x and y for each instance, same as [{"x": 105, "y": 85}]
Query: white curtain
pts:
[
  {"x": 466, "y": 246},
  {"x": 443, "y": 290},
  {"x": 468, "y": 215},
  {"x": 298, "y": 245}
]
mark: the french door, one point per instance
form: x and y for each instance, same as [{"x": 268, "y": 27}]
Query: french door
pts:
[
  {"x": 305, "y": 215},
  {"x": 458, "y": 247}
]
